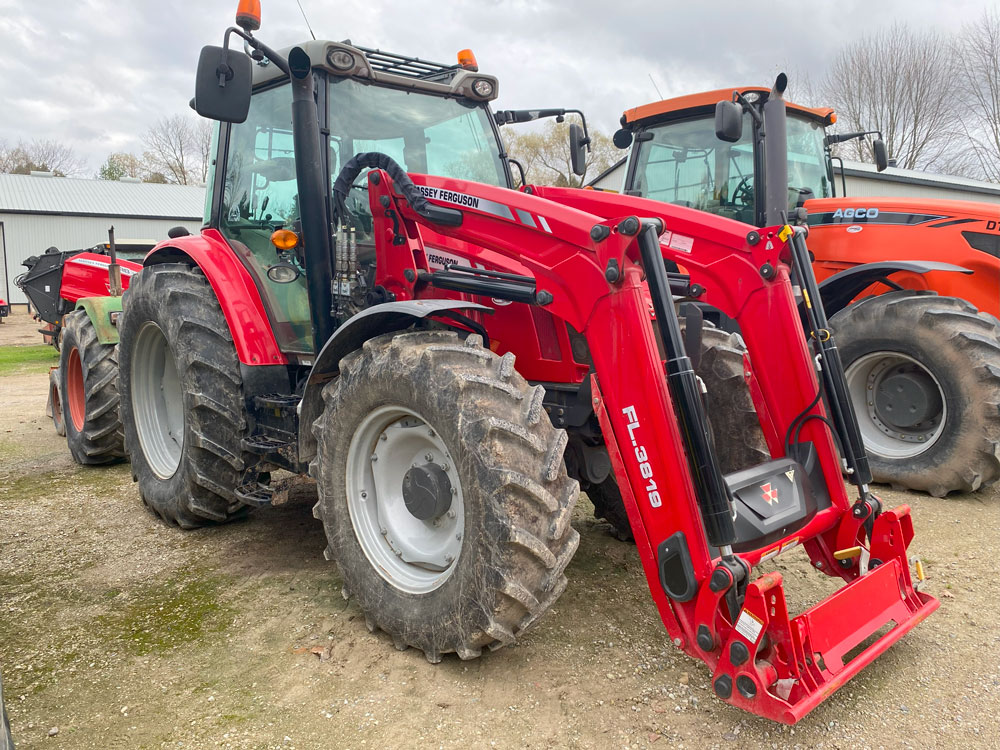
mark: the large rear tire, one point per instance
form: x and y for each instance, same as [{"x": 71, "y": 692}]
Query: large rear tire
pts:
[
  {"x": 924, "y": 376},
  {"x": 88, "y": 374},
  {"x": 739, "y": 440},
  {"x": 478, "y": 555},
  {"x": 182, "y": 397}
]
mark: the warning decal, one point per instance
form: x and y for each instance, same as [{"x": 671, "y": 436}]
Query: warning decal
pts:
[{"x": 749, "y": 626}]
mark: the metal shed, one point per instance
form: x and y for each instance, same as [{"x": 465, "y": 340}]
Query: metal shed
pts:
[{"x": 39, "y": 211}]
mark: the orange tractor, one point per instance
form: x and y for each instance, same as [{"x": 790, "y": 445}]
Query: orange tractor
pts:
[{"x": 919, "y": 337}]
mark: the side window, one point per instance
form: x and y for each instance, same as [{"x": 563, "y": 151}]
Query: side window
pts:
[{"x": 260, "y": 196}]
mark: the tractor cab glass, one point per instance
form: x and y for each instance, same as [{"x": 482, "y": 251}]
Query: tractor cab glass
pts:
[
  {"x": 424, "y": 133},
  {"x": 261, "y": 195},
  {"x": 685, "y": 163},
  {"x": 809, "y": 174}
]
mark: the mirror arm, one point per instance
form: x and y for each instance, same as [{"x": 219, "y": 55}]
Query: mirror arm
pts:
[
  {"x": 748, "y": 107},
  {"x": 279, "y": 62},
  {"x": 586, "y": 133}
]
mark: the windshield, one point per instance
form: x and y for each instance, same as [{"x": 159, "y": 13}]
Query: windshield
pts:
[
  {"x": 424, "y": 133},
  {"x": 686, "y": 164},
  {"x": 807, "y": 164}
]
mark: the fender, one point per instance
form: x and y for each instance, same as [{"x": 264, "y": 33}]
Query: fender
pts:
[
  {"x": 100, "y": 311},
  {"x": 234, "y": 288},
  {"x": 838, "y": 290},
  {"x": 367, "y": 324}
]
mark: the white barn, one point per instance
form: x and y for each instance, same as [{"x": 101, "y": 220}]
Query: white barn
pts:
[{"x": 39, "y": 211}]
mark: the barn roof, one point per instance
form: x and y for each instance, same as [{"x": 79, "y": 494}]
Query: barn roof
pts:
[{"x": 35, "y": 194}]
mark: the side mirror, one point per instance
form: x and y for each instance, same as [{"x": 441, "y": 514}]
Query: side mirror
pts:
[
  {"x": 222, "y": 86},
  {"x": 577, "y": 154},
  {"x": 622, "y": 138},
  {"x": 728, "y": 121},
  {"x": 881, "y": 155}
]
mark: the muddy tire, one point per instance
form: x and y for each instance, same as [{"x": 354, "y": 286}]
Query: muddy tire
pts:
[
  {"x": 739, "y": 440},
  {"x": 488, "y": 559},
  {"x": 88, "y": 385},
  {"x": 54, "y": 408},
  {"x": 182, "y": 397},
  {"x": 924, "y": 376}
]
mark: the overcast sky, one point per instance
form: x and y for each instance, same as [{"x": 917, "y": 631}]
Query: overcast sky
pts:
[{"x": 95, "y": 74}]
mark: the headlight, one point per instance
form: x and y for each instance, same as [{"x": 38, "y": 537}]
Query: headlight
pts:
[
  {"x": 483, "y": 88},
  {"x": 340, "y": 59}
]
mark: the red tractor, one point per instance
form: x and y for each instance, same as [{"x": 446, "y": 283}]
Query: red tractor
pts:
[
  {"x": 77, "y": 295},
  {"x": 912, "y": 286},
  {"x": 410, "y": 340}
]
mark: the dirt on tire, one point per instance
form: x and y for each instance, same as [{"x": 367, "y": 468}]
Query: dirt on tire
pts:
[
  {"x": 87, "y": 365},
  {"x": 960, "y": 348},
  {"x": 516, "y": 539},
  {"x": 178, "y": 300}
]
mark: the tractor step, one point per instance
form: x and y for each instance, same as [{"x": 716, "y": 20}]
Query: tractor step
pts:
[
  {"x": 277, "y": 401},
  {"x": 254, "y": 495},
  {"x": 264, "y": 445}
]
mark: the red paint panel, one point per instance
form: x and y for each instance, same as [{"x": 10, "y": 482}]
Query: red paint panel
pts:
[{"x": 235, "y": 289}]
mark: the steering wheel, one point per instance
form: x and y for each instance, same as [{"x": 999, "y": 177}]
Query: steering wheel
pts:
[{"x": 743, "y": 194}]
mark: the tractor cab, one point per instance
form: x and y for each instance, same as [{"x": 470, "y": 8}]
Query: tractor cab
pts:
[
  {"x": 431, "y": 118},
  {"x": 678, "y": 157}
]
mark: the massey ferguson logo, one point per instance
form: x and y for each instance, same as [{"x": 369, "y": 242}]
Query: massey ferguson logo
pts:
[{"x": 770, "y": 494}]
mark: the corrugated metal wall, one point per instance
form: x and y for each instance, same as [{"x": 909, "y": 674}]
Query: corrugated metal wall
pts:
[
  {"x": 29, "y": 234},
  {"x": 870, "y": 188}
]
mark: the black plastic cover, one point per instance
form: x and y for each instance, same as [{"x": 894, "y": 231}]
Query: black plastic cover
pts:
[
  {"x": 777, "y": 498},
  {"x": 676, "y": 570}
]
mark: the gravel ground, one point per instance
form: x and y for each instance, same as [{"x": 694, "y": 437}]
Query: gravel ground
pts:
[{"x": 117, "y": 631}]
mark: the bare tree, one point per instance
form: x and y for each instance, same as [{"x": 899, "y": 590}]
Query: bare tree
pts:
[
  {"x": 203, "y": 132},
  {"x": 41, "y": 156},
  {"x": 977, "y": 60},
  {"x": 171, "y": 148},
  {"x": 897, "y": 81},
  {"x": 546, "y": 155}
]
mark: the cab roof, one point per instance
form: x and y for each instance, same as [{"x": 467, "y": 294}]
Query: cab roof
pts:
[{"x": 704, "y": 103}]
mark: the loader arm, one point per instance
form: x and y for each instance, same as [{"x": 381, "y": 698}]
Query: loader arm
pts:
[{"x": 577, "y": 254}]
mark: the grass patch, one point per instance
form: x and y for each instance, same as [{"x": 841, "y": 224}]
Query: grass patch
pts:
[
  {"x": 36, "y": 358},
  {"x": 164, "y": 616}
]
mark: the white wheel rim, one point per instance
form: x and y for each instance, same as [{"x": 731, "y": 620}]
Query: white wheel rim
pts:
[
  {"x": 882, "y": 437},
  {"x": 413, "y": 555},
  {"x": 157, "y": 401}
]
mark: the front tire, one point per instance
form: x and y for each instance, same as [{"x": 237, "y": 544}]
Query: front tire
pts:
[
  {"x": 182, "y": 397},
  {"x": 476, "y": 559},
  {"x": 88, "y": 387},
  {"x": 923, "y": 372}
]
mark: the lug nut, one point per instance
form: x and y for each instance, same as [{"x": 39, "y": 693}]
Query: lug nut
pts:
[
  {"x": 449, "y": 558},
  {"x": 364, "y": 495},
  {"x": 428, "y": 456},
  {"x": 383, "y": 437},
  {"x": 451, "y": 513},
  {"x": 374, "y": 458},
  {"x": 458, "y": 536}
]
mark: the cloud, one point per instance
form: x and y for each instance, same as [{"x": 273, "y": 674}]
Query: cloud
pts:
[{"x": 95, "y": 74}]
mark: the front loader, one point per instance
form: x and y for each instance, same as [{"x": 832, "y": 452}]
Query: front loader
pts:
[{"x": 407, "y": 350}]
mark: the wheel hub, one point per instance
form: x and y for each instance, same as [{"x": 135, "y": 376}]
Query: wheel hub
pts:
[
  {"x": 899, "y": 404},
  {"x": 427, "y": 491},
  {"x": 405, "y": 499},
  {"x": 907, "y": 398}
]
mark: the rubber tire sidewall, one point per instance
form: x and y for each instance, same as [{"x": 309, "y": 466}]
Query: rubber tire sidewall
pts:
[{"x": 858, "y": 335}]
